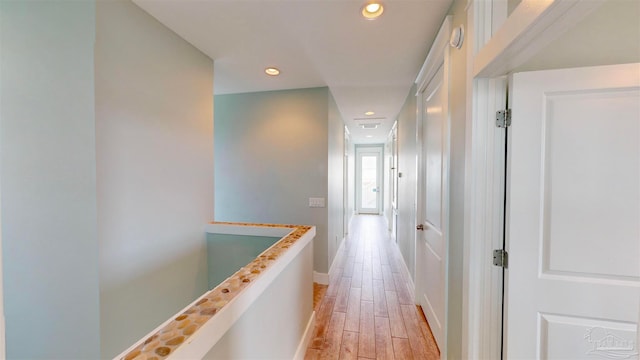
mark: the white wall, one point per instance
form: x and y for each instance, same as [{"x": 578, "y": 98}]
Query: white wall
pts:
[
  {"x": 351, "y": 179},
  {"x": 154, "y": 126},
  {"x": 273, "y": 326},
  {"x": 271, "y": 153},
  {"x": 407, "y": 157},
  {"x": 49, "y": 234},
  {"x": 335, "y": 203}
]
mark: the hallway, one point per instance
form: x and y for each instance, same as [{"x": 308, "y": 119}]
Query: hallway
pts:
[{"x": 368, "y": 311}]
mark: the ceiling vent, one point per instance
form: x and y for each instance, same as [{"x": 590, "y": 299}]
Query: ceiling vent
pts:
[
  {"x": 370, "y": 126},
  {"x": 370, "y": 119}
]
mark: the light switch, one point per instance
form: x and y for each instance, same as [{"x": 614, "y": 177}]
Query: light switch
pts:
[{"x": 316, "y": 202}]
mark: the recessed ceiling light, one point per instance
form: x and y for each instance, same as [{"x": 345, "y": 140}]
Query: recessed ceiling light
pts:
[
  {"x": 369, "y": 136},
  {"x": 271, "y": 71},
  {"x": 372, "y": 10},
  {"x": 369, "y": 113}
]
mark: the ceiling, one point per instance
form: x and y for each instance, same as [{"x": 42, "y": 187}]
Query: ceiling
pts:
[{"x": 368, "y": 65}]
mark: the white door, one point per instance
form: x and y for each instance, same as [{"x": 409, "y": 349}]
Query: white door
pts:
[
  {"x": 432, "y": 243},
  {"x": 574, "y": 214},
  {"x": 369, "y": 179}
]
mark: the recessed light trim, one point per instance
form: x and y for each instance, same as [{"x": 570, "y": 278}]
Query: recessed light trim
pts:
[
  {"x": 369, "y": 113},
  {"x": 272, "y": 71},
  {"x": 372, "y": 10}
]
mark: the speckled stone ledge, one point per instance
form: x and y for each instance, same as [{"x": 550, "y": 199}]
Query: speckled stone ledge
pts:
[{"x": 176, "y": 332}]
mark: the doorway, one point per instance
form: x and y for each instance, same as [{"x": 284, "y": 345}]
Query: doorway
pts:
[{"x": 369, "y": 179}]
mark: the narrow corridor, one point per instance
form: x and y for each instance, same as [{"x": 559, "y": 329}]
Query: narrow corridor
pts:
[{"x": 368, "y": 311}]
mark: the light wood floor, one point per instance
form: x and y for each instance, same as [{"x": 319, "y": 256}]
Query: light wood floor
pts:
[{"x": 368, "y": 311}]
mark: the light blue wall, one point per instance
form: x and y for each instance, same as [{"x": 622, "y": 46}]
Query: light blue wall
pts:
[
  {"x": 271, "y": 155},
  {"x": 50, "y": 246},
  {"x": 106, "y": 145},
  {"x": 154, "y": 139},
  {"x": 227, "y": 254}
]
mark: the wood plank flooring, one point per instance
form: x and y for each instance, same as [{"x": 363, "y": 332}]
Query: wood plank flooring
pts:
[{"x": 367, "y": 311}]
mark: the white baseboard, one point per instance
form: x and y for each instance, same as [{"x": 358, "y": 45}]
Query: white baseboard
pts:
[
  {"x": 410, "y": 283},
  {"x": 306, "y": 338},
  {"x": 407, "y": 275},
  {"x": 324, "y": 278},
  {"x": 337, "y": 259},
  {"x": 320, "y": 278}
]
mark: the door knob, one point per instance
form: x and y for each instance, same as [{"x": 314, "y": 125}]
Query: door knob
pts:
[{"x": 420, "y": 227}]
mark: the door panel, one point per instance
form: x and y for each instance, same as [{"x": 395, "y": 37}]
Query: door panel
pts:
[
  {"x": 432, "y": 245},
  {"x": 578, "y": 166},
  {"x": 433, "y": 155},
  {"x": 574, "y": 214}
]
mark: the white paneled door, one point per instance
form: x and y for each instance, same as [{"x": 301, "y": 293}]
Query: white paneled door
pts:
[
  {"x": 432, "y": 244},
  {"x": 573, "y": 281}
]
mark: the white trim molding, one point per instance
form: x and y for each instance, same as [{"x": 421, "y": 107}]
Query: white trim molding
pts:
[
  {"x": 483, "y": 223},
  {"x": 336, "y": 261},
  {"x": 434, "y": 59},
  {"x": 407, "y": 274},
  {"x": 530, "y": 27},
  {"x": 306, "y": 338},
  {"x": 321, "y": 278}
]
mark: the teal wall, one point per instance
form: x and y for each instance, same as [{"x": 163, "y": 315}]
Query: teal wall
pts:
[
  {"x": 227, "y": 254},
  {"x": 106, "y": 149},
  {"x": 154, "y": 160},
  {"x": 271, "y": 155},
  {"x": 48, "y": 173}
]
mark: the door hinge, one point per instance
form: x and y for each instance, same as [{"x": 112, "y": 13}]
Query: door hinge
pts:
[
  {"x": 503, "y": 118},
  {"x": 500, "y": 258}
]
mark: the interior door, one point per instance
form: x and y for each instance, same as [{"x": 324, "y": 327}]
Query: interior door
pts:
[
  {"x": 369, "y": 179},
  {"x": 574, "y": 214},
  {"x": 432, "y": 243}
]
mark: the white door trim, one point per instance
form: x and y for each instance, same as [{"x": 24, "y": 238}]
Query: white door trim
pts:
[
  {"x": 495, "y": 53},
  {"x": 436, "y": 57},
  {"x": 484, "y": 231}
]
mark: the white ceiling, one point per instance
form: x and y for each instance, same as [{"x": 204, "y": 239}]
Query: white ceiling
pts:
[{"x": 369, "y": 65}]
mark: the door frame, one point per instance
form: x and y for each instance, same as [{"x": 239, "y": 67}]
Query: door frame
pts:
[
  {"x": 346, "y": 214},
  {"x": 393, "y": 181},
  {"x": 379, "y": 174},
  {"x": 498, "y": 45},
  {"x": 437, "y": 58}
]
